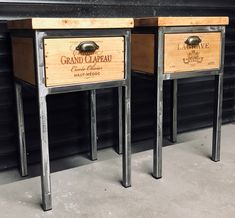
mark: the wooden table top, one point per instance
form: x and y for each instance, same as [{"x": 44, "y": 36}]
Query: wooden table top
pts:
[
  {"x": 71, "y": 23},
  {"x": 180, "y": 21}
]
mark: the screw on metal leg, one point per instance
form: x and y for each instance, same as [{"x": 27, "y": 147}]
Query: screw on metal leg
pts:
[
  {"x": 21, "y": 131},
  {"x": 93, "y": 125},
  {"x": 217, "y": 117}
]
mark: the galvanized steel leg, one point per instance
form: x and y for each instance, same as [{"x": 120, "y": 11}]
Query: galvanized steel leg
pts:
[
  {"x": 42, "y": 93},
  {"x": 45, "y": 176},
  {"x": 157, "y": 151},
  {"x": 21, "y": 131},
  {"x": 120, "y": 119},
  {"x": 93, "y": 125},
  {"x": 217, "y": 117},
  {"x": 127, "y": 140},
  {"x": 173, "y": 136},
  {"x": 126, "y": 156}
]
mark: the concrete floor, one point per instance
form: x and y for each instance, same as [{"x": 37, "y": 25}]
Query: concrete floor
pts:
[{"x": 192, "y": 186}]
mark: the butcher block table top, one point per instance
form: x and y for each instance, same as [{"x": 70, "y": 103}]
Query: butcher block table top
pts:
[
  {"x": 71, "y": 23},
  {"x": 180, "y": 21}
]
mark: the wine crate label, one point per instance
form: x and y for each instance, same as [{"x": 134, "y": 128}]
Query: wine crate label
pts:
[
  {"x": 181, "y": 57},
  {"x": 65, "y": 64}
]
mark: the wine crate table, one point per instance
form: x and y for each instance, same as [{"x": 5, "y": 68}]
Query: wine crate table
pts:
[
  {"x": 62, "y": 55},
  {"x": 172, "y": 48}
]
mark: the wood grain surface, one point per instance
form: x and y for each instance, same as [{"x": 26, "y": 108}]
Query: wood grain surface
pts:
[
  {"x": 65, "y": 65},
  {"x": 23, "y": 59},
  {"x": 142, "y": 50},
  {"x": 180, "y": 21},
  {"x": 71, "y": 23},
  {"x": 179, "y": 57}
]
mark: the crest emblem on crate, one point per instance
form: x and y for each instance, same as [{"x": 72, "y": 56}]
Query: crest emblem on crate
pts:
[{"x": 193, "y": 57}]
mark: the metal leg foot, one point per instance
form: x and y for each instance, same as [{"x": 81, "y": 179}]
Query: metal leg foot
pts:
[
  {"x": 93, "y": 125},
  {"x": 217, "y": 117},
  {"x": 46, "y": 202},
  {"x": 21, "y": 131},
  {"x": 127, "y": 140},
  {"x": 45, "y": 175}
]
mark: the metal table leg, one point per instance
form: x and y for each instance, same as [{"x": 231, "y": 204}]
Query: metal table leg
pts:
[
  {"x": 127, "y": 141},
  {"x": 126, "y": 156},
  {"x": 217, "y": 117},
  {"x": 93, "y": 125},
  {"x": 21, "y": 131},
  {"x": 173, "y": 136},
  {"x": 45, "y": 176},
  {"x": 120, "y": 117},
  {"x": 157, "y": 150},
  {"x": 42, "y": 93}
]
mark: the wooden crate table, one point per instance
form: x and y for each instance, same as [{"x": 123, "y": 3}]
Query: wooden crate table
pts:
[
  {"x": 171, "y": 48},
  {"x": 62, "y": 55}
]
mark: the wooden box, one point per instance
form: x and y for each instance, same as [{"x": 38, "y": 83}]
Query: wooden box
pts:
[
  {"x": 65, "y": 62},
  {"x": 180, "y": 54}
]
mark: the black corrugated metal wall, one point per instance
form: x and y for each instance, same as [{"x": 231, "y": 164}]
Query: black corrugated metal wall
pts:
[{"x": 68, "y": 113}]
